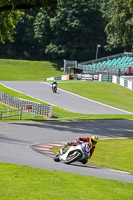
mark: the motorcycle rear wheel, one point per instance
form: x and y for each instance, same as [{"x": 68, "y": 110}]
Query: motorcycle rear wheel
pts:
[{"x": 71, "y": 159}]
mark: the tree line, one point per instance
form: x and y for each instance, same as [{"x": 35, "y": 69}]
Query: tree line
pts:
[{"x": 64, "y": 29}]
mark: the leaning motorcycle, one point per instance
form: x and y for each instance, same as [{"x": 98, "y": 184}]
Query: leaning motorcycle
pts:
[
  {"x": 78, "y": 153},
  {"x": 54, "y": 88}
]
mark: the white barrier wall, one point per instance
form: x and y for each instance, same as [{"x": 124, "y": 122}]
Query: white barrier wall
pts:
[
  {"x": 50, "y": 79},
  {"x": 123, "y": 82},
  {"x": 130, "y": 85},
  {"x": 100, "y": 77},
  {"x": 114, "y": 79}
]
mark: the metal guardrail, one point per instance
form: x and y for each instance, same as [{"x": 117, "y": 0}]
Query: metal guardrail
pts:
[{"x": 37, "y": 108}]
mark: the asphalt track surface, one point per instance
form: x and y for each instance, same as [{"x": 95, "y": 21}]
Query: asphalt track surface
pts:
[
  {"x": 16, "y": 139},
  {"x": 62, "y": 98}
]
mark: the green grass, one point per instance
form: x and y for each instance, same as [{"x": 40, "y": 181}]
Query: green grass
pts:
[
  {"x": 22, "y": 182},
  {"x": 114, "y": 154},
  {"x": 23, "y": 70}
]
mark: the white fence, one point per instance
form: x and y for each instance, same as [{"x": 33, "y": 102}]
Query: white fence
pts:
[{"x": 37, "y": 108}]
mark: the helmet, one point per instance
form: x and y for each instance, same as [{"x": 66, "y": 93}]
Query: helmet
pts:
[{"x": 93, "y": 140}]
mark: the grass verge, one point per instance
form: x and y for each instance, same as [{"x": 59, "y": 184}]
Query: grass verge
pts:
[
  {"x": 22, "y": 182},
  {"x": 113, "y": 154}
]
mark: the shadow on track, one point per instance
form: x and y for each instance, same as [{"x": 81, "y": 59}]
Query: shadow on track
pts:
[{"x": 104, "y": 128}]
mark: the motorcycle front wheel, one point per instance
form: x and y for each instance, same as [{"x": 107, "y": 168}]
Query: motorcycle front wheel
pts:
[
  {"x": 54, "y": 89},
  {"x": 56, "y": 158},
  {"x": 70, "y": 159}
]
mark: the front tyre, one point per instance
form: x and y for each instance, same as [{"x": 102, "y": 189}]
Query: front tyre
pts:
[
  {"x": 56, "y": 158},
  {"x": 70, "y": 159}
]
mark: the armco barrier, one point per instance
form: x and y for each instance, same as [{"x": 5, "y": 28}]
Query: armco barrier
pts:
[{"x": 37, "y": 108}]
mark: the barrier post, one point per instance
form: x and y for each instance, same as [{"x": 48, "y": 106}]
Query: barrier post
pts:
[
  {"x": 1, "y": 114},
  {"x": 21, "y": 113}
]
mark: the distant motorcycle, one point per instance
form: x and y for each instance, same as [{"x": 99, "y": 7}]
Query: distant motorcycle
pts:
[
  {"x": 54, "y": 88},
  {"x": 76, "y": 153}
]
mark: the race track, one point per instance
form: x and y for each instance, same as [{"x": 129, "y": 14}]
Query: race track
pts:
[
  {"x": 62, "y": 98},
  {"x": 17, "y": 138}
]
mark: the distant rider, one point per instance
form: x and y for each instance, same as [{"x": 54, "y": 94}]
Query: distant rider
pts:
[
  {"x": 89, "y": 146},
  {"x": 54, "y": 84}
]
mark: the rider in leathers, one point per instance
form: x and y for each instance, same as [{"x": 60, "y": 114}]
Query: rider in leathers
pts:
[
  {"x": 54, "y": 83},
  {"x": 89, "y": 146}
]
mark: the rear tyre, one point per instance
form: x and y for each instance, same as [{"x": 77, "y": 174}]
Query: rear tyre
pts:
[{"x": 71, "y": 159}]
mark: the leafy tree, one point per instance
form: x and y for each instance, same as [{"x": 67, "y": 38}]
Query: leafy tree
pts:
[
  {"x": 42, "y": 29},
  {"x": 8, "y": 21},
  {"x": 74, "y": 31},
  {"x": 120, "y": 26},
  {"x": 25, "y": 46},
  {"x": 9, "y": 14}
]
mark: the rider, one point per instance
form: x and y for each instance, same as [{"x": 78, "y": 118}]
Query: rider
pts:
[
  {"x": 54, "y": 83},
  {"x": 89, "y": 145}
]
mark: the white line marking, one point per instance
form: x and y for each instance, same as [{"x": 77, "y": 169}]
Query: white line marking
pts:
[{"x": 113, "y": 170}]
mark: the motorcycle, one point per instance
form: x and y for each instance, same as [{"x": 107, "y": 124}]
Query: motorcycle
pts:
[
  {"x": 54, "y": 88},
  {"x": 78, "y": 153}
]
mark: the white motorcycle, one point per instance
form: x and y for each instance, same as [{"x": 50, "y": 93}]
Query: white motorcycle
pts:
[{"x": 78, "y": 153}]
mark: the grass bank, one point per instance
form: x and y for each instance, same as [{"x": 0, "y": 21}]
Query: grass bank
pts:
[
  {"x": 22, "y": 182},
  {"x": 23, "y": 70}
]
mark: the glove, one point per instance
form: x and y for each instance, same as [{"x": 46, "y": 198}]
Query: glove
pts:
[
  {"x": 64, "y": 146},
  {"x": 78, "y": 140},
  {"x": 69, "y": 143}
]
